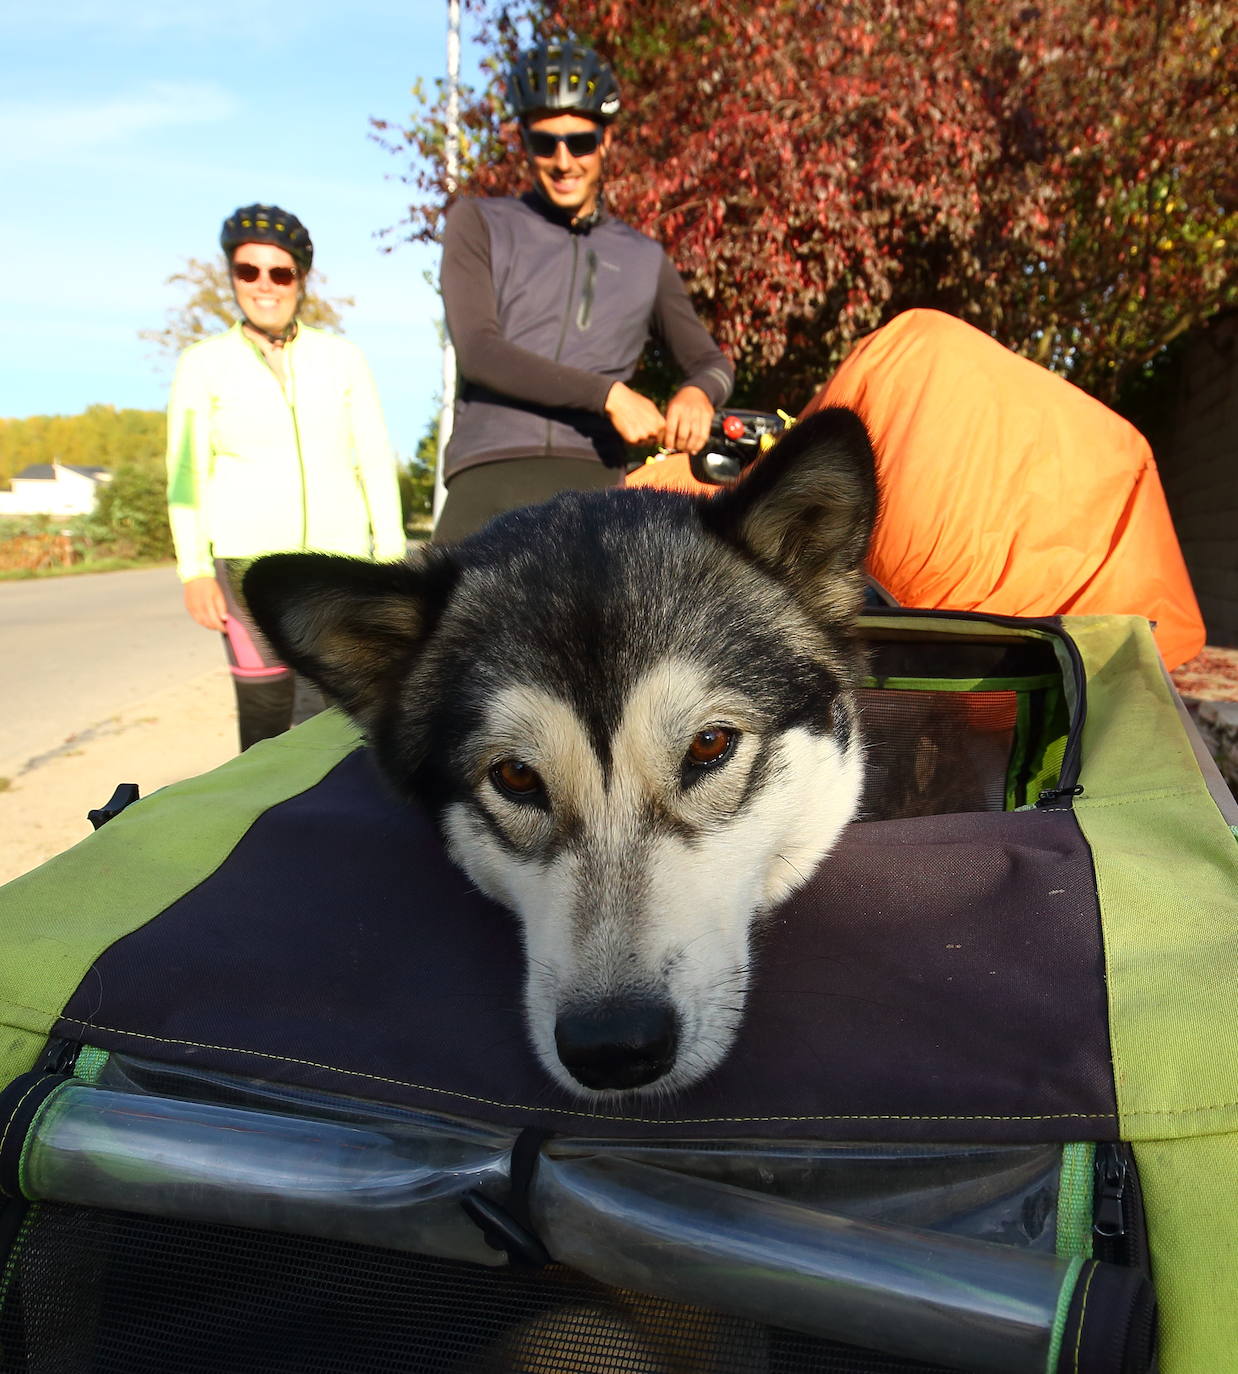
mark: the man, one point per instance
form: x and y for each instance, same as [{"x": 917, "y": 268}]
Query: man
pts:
[
  {"x": 276, "y": 441},
  {"x": 550, "y": 302}
]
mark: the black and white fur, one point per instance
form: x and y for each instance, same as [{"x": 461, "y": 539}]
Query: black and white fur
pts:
[{"x": 631, "y": 714}]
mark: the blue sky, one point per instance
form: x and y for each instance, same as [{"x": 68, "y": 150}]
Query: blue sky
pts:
[{"x": 129, "y": 130}]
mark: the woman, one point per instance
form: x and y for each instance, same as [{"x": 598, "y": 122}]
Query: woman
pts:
[{"x": 276, "y": 442}]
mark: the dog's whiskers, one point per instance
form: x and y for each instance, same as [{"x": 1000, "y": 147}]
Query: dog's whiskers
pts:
[{"x": 783, "y": 858}]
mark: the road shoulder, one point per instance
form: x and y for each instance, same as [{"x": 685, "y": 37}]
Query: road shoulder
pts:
[{"x": 175, "y": 734}]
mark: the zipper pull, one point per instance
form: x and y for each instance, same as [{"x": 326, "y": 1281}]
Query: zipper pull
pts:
[
  {"x": 58, "y": 1057},
  {"x": 1111, "y": 1171}
]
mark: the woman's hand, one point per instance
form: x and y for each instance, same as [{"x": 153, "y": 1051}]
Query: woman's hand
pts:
[{"x": 204, "y": 600}]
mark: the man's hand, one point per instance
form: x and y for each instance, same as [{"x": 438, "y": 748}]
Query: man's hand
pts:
[
  {"x": 636, "y": 417},
  {"x": 688, "y": 418},
  {"x": 204, "y": 600}
]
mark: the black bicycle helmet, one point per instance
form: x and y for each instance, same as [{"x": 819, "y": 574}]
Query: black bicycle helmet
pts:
[
  {"x": 560, "y": 75},
  {"x": 268, "y": 224}
]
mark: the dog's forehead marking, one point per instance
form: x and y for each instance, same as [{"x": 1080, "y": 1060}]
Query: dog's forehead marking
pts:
[
  {"x": 667, "y": 704},
  {"x": 544, "y": 731}
]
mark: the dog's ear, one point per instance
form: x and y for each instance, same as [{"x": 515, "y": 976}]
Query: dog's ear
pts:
[
  {"x": 806, "y": 509},
  {"x": 350, "y": 626}
]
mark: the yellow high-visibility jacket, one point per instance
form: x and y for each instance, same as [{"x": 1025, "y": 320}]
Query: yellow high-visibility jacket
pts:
[{"x": 259, "y": 465}]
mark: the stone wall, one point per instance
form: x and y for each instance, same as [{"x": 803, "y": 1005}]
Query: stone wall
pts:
[
  {"x": 33, "y": 552},
  {"x": 1195, "y": 439},
  {"x": 1217, "y": 723}
]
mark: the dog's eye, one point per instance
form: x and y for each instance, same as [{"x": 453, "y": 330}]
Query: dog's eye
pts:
[
  {"x": 711, "y": 746},
  {"x": 516, "y": 779}
]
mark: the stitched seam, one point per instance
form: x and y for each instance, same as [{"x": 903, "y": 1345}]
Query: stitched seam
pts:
[
  {"x": 1083, "y": 1311},
  {"x": 1132, "y": 1114},
  {"x": 1135, "y": 798},
  {"x": 596, "y": 1116},
  {"x": 8, "y": 1125}
]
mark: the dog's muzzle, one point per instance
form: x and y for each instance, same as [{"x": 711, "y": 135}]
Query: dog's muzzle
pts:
[{"x": 618, "y": 1045}]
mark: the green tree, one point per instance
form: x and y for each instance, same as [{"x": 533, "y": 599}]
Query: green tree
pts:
[
  {"x": 1059, "y": 174},
  {"x": 208, "y": 307},
  {"x": 101, "y": 436},
  {"x": 417, "y": 479},
  {"x": 130, "y": 518}
]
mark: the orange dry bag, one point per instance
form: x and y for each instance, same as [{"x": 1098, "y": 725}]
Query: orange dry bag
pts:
[{"x": 1007, "y": 489}]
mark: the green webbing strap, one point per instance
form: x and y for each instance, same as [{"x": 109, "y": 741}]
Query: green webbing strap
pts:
[
  {"x": 1064, "y": 1298},
  {"x": 1075, "y": 1205},
  {"x": 56, "y": 921},
  {"x": 90, "y": 1064},
  {"x": 964, "y": 684}
]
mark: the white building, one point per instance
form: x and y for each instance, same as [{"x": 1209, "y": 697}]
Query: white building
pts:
[{"x": 53, "y": 489}]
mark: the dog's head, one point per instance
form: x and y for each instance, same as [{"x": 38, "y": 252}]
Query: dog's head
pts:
[{"x": 631, "y": 714}]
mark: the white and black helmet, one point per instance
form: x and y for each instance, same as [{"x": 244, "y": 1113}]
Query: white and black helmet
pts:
[{"x": 561, "y": 76}]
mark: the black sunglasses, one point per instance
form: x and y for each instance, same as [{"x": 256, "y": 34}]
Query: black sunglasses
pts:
[
  {"x": 542, "y": 144},
  {"x": 280, "y": 276}
]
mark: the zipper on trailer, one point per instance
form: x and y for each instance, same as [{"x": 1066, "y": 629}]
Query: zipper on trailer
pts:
[
  {"x": 1068, "y": 785},
  {"x": 1058, "y": 798},
  {"x": 1118, "y": 1231},
  {"x": 54, "y": 1067},
  {"x": 58, "y": 1057},
  {"x": 1120, "y": 1238},
  {"x": 1072, "y": 755}
]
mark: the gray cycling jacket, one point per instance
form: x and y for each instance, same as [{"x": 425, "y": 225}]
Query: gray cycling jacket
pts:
[{"x": 546, "y": 318}]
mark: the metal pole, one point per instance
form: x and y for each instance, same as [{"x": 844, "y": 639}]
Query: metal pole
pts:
[{"x": 452, "y": 159}]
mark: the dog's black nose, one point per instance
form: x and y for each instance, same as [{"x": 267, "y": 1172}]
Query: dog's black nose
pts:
[{"x": 619, "y": 1044}]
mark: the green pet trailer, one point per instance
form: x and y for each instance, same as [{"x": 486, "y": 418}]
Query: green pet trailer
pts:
[{"x": 270, "y": 1105}]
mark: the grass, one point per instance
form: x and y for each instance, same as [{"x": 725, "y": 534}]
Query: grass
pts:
[{"x": 91, "y": 566}]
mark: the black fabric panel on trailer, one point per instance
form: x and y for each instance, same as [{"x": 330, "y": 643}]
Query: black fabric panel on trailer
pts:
[{"x": 939, "y": 979}]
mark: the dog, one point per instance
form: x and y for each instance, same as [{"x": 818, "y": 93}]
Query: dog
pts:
[{"x": 632, "y": 716}]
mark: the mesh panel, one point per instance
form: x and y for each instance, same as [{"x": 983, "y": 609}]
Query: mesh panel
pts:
[
  {"x": 93, "y": 1292},
  {"x": 929, "y": 752}
]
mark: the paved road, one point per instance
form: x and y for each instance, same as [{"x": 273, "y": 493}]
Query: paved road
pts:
[{"x": 76, "y": 650}]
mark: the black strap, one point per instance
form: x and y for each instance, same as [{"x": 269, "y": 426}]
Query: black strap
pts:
[
  {"x": 126, "y": 794},
  {"x": 509, "y": 1226}
]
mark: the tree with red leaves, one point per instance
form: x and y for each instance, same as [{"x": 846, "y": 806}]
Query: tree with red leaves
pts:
[{"x": 1060, "y": 175}]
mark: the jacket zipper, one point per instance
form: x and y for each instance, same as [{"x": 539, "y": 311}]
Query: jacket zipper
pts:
[
  {"x": 287, "y": 390},
  {"x": 567, "y": 313},
  {"x": 290, "y": 394},
  {"x": 585, "y": 313}
]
